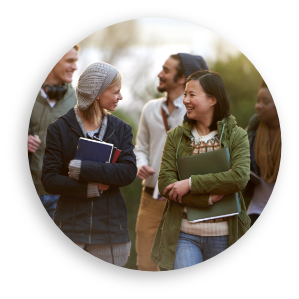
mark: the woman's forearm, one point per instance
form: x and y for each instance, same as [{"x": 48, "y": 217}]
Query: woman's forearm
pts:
[
  {"x": 117, "y": 174},
  {"x": 229, "y": 181},
  {"x": 64, "y": 185}
]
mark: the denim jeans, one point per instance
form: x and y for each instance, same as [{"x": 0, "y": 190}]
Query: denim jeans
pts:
[
  {"x": 192, "y": 250},
  {"x": 50, "y": 202}
]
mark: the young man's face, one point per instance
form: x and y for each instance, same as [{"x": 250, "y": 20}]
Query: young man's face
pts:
[
  {"x": 64, "y": 69},
  {"x": 166, "y": 76}
]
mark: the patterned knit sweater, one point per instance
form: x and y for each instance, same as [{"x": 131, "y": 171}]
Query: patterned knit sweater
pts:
[{"x": 203, "y": 144}]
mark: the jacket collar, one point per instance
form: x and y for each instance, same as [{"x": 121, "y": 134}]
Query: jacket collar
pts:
[
  {"x": 71, "y": 120},
  {"x": 253, "y": 123},
  {"x": 68, "y": 94},
  {"x": 110, "y": 127},
  {"x": 178, "y": 102},
  {"x": 230, "y": 123},
  {"x": 186, "y": 128}
]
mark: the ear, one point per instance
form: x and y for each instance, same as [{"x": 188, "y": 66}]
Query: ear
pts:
[
  {"x": 182, "y": 80},
  {"x": 213, "y": 101}
]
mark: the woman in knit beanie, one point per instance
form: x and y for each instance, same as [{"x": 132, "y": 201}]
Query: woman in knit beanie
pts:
[
  {"x": 91, "y": 210},
  {"x": 265, "y": 151}
]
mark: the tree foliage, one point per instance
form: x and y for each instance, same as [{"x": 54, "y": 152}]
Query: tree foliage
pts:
[{"x": 242, "y": 82}]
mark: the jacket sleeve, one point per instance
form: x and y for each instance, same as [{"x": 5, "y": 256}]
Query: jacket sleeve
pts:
[
  {"x": 142, "y": 141},
  {"x": 168, "y": 175},
  {"x": 230, "y": 181},
  {"x": 54, "y": 182},
  {"x": 119, "y": 174}
]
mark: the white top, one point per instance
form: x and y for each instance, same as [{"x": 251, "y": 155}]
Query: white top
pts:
[
  {"x": 44, "y": 95},
  {"x": 151, "y": 134},
  {"x": 261, "y": 195},
  {"x": 205, "y": 138}
]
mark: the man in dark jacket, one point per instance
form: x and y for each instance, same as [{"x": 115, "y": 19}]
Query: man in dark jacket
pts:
[{"x": 55, "y": 98}]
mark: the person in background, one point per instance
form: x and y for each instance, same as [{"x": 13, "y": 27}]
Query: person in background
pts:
[
  {"x": 54, "y": 99},
  {"x": 179, "y": 243},
  {"x": 91, "y": 211},
  {"x": 158, "y": 116},
  {"x": 265, "y": 151}
]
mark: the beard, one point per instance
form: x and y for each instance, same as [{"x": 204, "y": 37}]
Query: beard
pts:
[{"x": 161, "y": 89}]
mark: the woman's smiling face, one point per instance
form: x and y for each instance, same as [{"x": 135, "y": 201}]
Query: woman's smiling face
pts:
[
  {"x": 197, "y": 102},
  {"x": 110, "y": 97}
]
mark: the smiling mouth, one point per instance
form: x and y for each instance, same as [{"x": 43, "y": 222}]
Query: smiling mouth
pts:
[{"x": 189, "y": 109}]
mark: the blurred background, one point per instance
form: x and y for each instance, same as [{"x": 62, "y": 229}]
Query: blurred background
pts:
[{"x": 139, "y": 48}]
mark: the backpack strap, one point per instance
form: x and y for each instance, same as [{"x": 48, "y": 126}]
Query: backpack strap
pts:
[{"x": 164, "y": 119}]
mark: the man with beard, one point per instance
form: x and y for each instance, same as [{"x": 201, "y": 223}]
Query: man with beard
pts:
[
  {"x": 158, "y": 116},
  {"x": 55, "y": 98}
]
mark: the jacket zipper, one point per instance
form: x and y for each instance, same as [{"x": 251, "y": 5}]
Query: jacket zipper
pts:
[
  {"x": 90, "y": 226},
  {"x": 60, "y": 223}
]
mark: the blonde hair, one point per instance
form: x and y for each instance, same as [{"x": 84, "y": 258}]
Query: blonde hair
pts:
[
  {"x": 118, "y": 77},
  {"x": 94, "y": 113}
]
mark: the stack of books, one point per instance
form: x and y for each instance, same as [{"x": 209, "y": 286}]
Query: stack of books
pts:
[{"x": 97, "y": 151}]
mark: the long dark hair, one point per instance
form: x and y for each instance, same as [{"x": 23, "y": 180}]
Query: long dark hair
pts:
[
  {"x": 263, "y": 84},
  {"x": 213, "y": 86}
]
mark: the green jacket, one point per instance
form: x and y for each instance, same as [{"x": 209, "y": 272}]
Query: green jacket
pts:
[
  {"x": 235, "y": 138},
  {"x": 41, "y": 117}
]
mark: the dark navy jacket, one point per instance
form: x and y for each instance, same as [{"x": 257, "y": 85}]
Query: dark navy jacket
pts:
[{"x": 85, "y": 219}]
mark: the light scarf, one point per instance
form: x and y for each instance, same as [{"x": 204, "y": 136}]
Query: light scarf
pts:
[{"x": 267, "y": 157}]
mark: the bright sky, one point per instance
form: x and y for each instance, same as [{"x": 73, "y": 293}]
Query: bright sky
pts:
[
  {"x": 179, "y": 34},
  {"x": 159, "y": 38}
]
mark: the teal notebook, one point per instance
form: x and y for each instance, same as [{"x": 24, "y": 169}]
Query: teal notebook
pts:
[{"x": 205, "y": 163}]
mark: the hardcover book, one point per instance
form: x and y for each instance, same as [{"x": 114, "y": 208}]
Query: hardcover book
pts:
[
  {"x": 94, "y": 150},
  {"x": 115, "y": 154}
]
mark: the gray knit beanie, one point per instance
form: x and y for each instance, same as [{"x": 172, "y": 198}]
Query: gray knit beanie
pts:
[{"x": 94, "y": 80}]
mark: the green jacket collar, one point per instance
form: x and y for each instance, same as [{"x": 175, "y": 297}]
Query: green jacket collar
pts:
[{"x": 230, "y": 122}]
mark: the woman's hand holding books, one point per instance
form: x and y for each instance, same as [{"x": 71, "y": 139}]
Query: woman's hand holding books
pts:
[
  {"x": 178, "y": 190},
  {"x": 102, "y": 187}
]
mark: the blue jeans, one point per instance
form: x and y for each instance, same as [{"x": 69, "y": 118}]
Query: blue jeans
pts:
[
  {"x": 192, "y": 250},
  {"x": 50, "y": 202}
]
